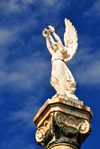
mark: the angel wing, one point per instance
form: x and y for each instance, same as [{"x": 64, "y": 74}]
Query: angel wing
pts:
[{"x": 70, "y": 39}]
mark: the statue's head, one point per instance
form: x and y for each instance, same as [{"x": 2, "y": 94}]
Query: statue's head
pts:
[{"x": 55, "y": 46}]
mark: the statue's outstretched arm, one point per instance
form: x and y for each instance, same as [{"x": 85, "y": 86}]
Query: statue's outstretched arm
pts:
[
  {"x": 51, "y": 39},
  {"x": 58, "y": 39},
  {"x": 49, "y": 46},
  {"x": 55, "y": 35},
  {"x": 47, "y": 36}
]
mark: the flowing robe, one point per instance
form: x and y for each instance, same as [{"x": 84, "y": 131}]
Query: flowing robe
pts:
[{"x": 61, "y": 77}]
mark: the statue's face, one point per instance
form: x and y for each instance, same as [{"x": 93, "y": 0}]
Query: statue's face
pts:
[{"x": 55, "y": 47}]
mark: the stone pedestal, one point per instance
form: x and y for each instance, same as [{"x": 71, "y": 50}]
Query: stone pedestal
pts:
[{"x": 62, "y": 124}]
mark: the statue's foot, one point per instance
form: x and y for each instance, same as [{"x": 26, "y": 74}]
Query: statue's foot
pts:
[
  {"x": 60, "y": 95},
  {"x": 63, "y": 96},
  {"x": 55, "y": 95}
]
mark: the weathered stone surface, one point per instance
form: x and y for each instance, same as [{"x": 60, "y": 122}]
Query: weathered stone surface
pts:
[{"x": 62, "y": 123}]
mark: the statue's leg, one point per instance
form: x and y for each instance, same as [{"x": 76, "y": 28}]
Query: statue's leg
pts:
[
  {"x": 56, "y": 77},
  {"x": 71, "y": 86},
  {"x": 54, "y": 83},
  {"x": 71, "y": 89}
]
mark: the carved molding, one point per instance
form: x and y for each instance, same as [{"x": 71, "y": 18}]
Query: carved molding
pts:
[
  {"x": 68, "y": 120},
  {"x": 42, "y": 131},
  {"x": 39, "y": 134},
  {"x": 60, "y": 124}
]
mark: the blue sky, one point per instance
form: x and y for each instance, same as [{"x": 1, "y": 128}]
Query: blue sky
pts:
[{"x": 25, "y": 64}]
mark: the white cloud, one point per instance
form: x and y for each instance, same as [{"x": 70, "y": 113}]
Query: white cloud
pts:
[
  {"x": 28, "y": 1},
  {"x": 25, "y": 115},
  {"x": 10, "y": 6},
  {"x": 13, "y": 6},
  {"x": 6, "y": 36},
  {"x": 17, "y": 141},
  {"x": 24, "y": 73},
  {"x": 53, "y": 7},
  {"x": 89, "y": 73},
  {"x": 22, "y": 6},
  {"x": 51, "y": 2},
  {"x": 94, "y": 10},
  {"x": 12, "y": 33}
]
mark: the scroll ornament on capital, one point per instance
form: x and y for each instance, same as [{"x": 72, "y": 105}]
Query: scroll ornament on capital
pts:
[
  {"x": 61, "y": 77},
  {"x": 62, "y": 124}
]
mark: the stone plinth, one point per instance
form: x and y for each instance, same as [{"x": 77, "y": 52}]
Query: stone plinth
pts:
[{"x": 62, "y": 124}]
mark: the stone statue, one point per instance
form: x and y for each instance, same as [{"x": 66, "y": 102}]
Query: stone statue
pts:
[{"x": 61, "y": 77}]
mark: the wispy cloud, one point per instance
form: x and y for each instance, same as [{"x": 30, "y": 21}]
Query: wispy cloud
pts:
[
  {"x": 26, "y": 114},
  {"x": 15, "y": 6},
  {"x": 24, "y": 73},
  {"x": 18, "y": 141},
  {"x": 94, "y": 10}
]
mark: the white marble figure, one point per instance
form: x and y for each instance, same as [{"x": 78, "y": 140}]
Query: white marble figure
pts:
[{"x": 61, "y": 77}]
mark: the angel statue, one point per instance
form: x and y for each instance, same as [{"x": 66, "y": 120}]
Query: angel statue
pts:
[{"x": 61, "y": 77}]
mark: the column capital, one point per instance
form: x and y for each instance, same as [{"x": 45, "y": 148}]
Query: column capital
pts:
[{"x": 62, "y": 124}]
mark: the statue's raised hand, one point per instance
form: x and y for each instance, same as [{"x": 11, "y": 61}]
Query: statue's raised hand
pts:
[
  {"x": 51, "y": 29},
  {"x": 46, "y": 33}
]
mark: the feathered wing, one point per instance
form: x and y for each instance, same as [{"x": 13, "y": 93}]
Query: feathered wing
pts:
[{"x": 70, "y": 39}]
